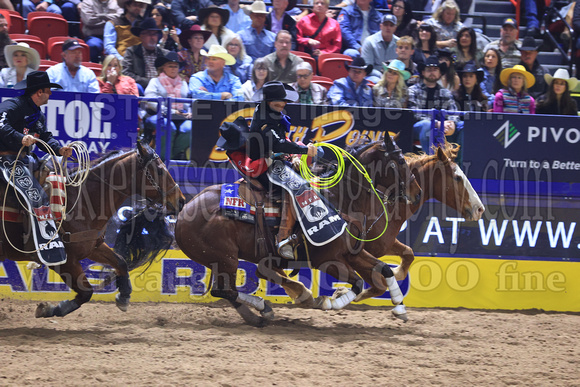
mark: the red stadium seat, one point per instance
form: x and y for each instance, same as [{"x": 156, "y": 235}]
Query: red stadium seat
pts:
[
  {"x": 55, "y": 47},
  {"x": 332, "y": 65},
  {"x": 46, "y": 27},
  {"x": 24, "y": 36},
  {"x": 45, "y": 64},
  {"x": 323, "y": 81},
  {"x": 33, "y": 42},
  {"x": 32, "y": 15},
  {"x": 96, "y": 67},
  {"x": 16, "y": 23}
]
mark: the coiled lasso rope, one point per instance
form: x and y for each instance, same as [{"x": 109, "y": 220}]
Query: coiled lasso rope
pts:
[
  {"x": 83, "y": 169},
  {"x": 329, "y": 182}
]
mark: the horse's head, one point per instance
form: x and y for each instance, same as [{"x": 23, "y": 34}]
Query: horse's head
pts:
[
  {"x": 158, "y": 184},
  {"x": 456, "y": 190},
  {"x": 396, "y": 177}
]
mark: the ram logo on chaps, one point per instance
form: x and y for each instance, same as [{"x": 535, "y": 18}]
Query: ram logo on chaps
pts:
[{"x": 311, "y": 205}]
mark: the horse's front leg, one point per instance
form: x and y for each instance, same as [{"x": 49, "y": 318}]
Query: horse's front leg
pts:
[
  {"x": 343, "y": 272},
  {"x": 407, "y": 258},
  {"x": 301, "y": 295},
  {"x": 74, "y": 277},
  {"x": 105, "y": 255}
]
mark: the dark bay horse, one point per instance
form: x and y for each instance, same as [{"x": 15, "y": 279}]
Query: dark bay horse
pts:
[
  {"x": 218, "y": 242},
  {"x": 441, "y": 179},
  {"x": 112, "y": 179}
]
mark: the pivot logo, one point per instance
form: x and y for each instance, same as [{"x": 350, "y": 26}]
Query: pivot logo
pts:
[{"x": 506, "y": 134}]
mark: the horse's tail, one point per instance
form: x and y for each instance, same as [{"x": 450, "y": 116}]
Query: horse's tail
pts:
[{"x": 144, "y": 236}]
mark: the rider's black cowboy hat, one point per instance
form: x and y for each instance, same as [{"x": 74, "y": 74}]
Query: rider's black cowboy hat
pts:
[
  {"x": 470, "y": 67},
  {"x": 233, "y": 134},
  {"x": 359, "y": 63},
  {"x": 276, "y": 91},
  {"x": 36, "y": 80}
]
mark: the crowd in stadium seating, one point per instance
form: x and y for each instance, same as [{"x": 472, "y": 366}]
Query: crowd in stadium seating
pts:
[{"x": 364, "y": 57}]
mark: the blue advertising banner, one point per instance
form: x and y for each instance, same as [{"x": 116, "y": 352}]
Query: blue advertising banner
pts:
[
  {"x": 522, "y": 147},
  {"x": 103, "y": 122}
]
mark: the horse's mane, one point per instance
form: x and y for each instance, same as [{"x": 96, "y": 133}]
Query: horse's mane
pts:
[
  {"x": 450, "y": 150},
  {"x": 110, "y": 155}
]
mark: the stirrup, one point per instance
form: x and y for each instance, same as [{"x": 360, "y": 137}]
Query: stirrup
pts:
[{"x": 285, "y": 248}]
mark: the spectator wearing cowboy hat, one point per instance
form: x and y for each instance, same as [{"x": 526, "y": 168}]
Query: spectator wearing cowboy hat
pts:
[
  {"x": 258, "y": 41},
  {"x": 22, "y": 60},
  {"x": 558, "y": 100},
  {"x": 95, "y": 14},
  {"x": 507, "y": 45},
  {"x": 239, "y": 20},
  {"x": 185, "y": 12},
  {"x": 214, "y": 19},
  {"x": 529, "y": 52},
  {"x": 309, "y": 93},
  {"x": 429, "y": 94},
  {"x": 192, "y": 42},
  {"x": 170, "y": 84},
  {"x": 391, "y": 91},
  {"x": 514, "y": 97},
  {"x": 214, "y": 82},
  {"x": 282, "y": 63},
  {"x": 381, "y": 46},
  {"x": 139, "y": 60},
  {"x": 117, "y": 36},
  {"x": 70, "y": 73},
  {"x": 353, "y": 90},
  {"x": 279, "y": 19}
]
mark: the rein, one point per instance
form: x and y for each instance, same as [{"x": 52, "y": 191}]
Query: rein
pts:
[{"x": 326, "y": 183}]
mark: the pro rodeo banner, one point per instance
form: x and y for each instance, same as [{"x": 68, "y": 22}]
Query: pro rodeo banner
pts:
[
  {"x": 339, "y": 125},
  {"x": 104, "y": 122}
]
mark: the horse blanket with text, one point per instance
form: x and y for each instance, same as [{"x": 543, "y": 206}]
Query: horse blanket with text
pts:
[
  {"x": 320, "y": 222},
  {"x": 50, "y": 248},
  {"x": 235, "y": 207}
]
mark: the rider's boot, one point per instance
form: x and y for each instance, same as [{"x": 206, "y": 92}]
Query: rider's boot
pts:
[{"x": 285, "y": 239}]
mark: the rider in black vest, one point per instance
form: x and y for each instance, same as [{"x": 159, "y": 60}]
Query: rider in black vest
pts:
[
  {"x": 22, "y": 121},
  {"x": 272, "y": 125}
]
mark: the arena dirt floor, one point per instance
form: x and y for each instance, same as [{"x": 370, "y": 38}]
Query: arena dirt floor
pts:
[{"x": 199, "y": 345}]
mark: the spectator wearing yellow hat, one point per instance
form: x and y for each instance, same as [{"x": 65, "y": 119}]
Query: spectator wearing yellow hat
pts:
[
  {"x": 214, "y": 82},
  {"x": 514, "y": 97}
]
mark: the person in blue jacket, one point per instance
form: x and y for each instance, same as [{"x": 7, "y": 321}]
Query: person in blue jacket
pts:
[
  {"x": 354, "y": 89},
  {"x": 351, "y": 22}
]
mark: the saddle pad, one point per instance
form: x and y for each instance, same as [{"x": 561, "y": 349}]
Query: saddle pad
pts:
[
  {"x": 234, "y": 207},
  {"x": 320, "y": 222},
  {"x": 50, "y": 247}
]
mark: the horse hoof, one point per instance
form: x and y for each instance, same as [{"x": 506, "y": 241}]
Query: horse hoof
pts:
[
  {"x": 323, "y": 302},
  {"x": 122, "y": 303},
  {"x": 44, "y": 309},
  {"x": 400, "y": 312},
  {"x": 267, "y": 313},
  {"x": 339, "y": 292}
]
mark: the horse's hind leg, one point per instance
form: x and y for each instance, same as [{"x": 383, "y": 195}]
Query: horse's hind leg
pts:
[
  {"x": 295, "y": 289},
  {"x": 224, "y": 286},
  {"x": 73, "y": 275},
  {"x": 105, "y": 255},
  {"x": 342, "y": 272}
]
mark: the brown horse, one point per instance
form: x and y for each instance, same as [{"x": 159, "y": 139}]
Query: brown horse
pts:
[
  {"x": 217, "y": 242},
  {"x": 440, "y": 178},
  {"x": 112, "y": 179}
]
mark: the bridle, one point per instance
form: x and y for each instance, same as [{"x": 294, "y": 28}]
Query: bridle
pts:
[
  {"x": 145, "y": 162},
  {"x": 402, "y": 194}
]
